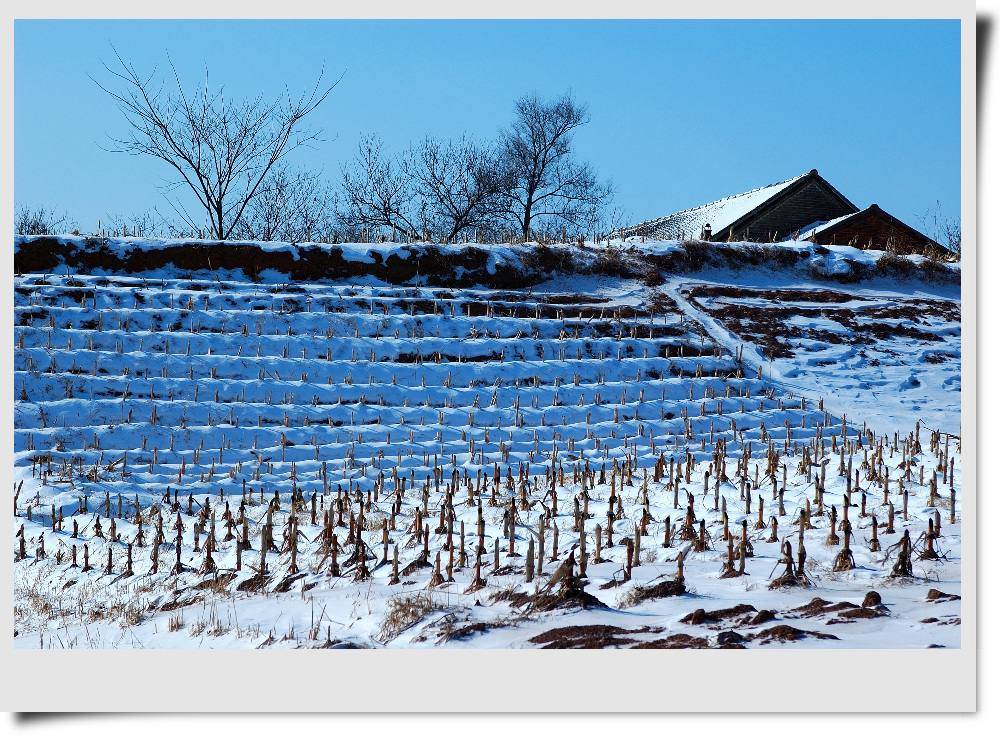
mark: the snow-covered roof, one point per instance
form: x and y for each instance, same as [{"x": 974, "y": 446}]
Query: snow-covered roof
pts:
[
  {"x": 811, "y": 231},
  {"x": 719, "y": 214},
  {"x": 819, "y": 226}
]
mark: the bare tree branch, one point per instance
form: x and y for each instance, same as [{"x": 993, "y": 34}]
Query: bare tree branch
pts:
[
  {"x": 41, "y": 221},
  {"x": 292, "y": 206},
  {"x": 459, "y": 185},
  {"x": 378, "y": 193},
  {"x": 221, "y": 150},
  {"x": 545, "y": 180}
]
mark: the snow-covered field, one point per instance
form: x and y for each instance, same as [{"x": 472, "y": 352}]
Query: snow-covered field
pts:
[
  {"x": 327, "y": 464},
  {"x": 886, "y": 353}
]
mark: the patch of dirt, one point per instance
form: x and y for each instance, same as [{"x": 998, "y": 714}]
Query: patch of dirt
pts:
[
  {"x": 585, "y": 637},
  {"x": 468, "y": 267},
  {"x": 935, "y": 358},
  {"x": 252, "y": 584},
  {"x": 818, "y": 607},
  {"x": 731, "y": 640},
  {"x": 852, "y": 615},
  {"x": 764, "y": 615},
  {"x": 566, "y": 597},
  {"x": 787, "y": 633},
  {"x": 779, "y": 295},
  {"x": 774, "y": 327},
  {"x": 700, "y": 616},
  {"x": 674, "y": 642},
  {"x": 935, "y": 595},
  {"x": 466, "y": 631},
  {"x": 872, "y": 598},
  {"x": 660, "y": 590}
]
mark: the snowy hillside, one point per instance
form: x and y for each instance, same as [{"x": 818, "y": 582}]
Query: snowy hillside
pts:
[
  {"x": 734, "y": 457},
  {"x": 461, "y": 265}
]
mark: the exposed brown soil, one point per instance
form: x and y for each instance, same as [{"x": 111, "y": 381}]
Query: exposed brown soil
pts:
[
  {"x": 660, "y": 590},
  {"x": 309, "y": 263},
  {"x": 872, "y": 598},
  {"x": 566, "y": 597},
  {"x": 949, "y": 621},
  {"x": 433, "y": 266},
  {"x": 787, "y": 633},
  {"x": 585, "y": 637},
  {"x": 731, "y": 640},
  {"x": 935, "y": 595},
  {"x": 252, "y": 584},
  {"x": 461, "y": 633},
  {"x": 771, "y": 326},
  {"x": 818, "y": 607},
  {"x": 843, "y": 611},
  {"x": 700, "y": 616},
  {"x": 674, "y": 642},
  {"x": 777, "y": 295},
  {"x": 851, "y": 615}
]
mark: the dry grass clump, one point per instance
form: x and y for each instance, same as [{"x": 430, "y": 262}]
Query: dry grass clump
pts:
[
  {"x": 613, "y": 261},
  {"x": 544, "y": 258},
  {"x": 404, "y": 611},
  {"x": 890, "y": 264}
]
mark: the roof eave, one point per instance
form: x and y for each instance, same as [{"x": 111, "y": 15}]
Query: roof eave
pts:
[
  {"x": 896, "y": 222},
  {"x": 811, "y": 176}
]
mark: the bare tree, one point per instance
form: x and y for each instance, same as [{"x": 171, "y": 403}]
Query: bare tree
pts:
[
  {"x": 546, "y": 181},
  {"x": 378, "y": 193},
  {"x": 459, "y": 185},
  {"x": 220, "y": 149},
  {"x": 41, "y": 221},
  {"x": 606, "y": 222},
  {"x": 142, "y": 225},
  {"x": 293, "y": 206},
  {"x": 945, "y": 230}
]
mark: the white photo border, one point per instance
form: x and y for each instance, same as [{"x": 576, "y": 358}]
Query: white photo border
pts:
[{"x": 633, "y": 680}]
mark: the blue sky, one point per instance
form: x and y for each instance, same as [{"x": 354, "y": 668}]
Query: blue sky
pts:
[{"x": 682, "y": 112}]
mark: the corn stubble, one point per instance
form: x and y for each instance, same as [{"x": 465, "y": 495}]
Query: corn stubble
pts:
[{"x": 424, "y": 453}]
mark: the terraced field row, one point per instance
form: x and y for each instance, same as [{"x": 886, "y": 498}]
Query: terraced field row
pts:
[{"x": 186, "y": 446}]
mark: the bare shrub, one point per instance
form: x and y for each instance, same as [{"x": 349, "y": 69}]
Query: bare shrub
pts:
[
  {"x": 378, "y": 193},
  {"x": 292, "y": 206},
  {"x": 546, "y": 258},
  {"x": 612, "y": 261},
  {"x": 41, "y": 221},
  {"x": 460, "y": 186},
  {"x": 404, "y": 611}
]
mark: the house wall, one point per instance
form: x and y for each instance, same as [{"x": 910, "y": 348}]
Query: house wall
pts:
[
  {"x": 872, "y": 229},
  {"x": 804, "y": 206}
]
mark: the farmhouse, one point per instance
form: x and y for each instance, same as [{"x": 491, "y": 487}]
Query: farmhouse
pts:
[{"x": 805, "y": 207}]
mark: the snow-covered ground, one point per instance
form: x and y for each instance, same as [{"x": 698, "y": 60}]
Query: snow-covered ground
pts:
[
  {"x": 886, "y": 353},
  {"x": 414, "y": 423}
]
